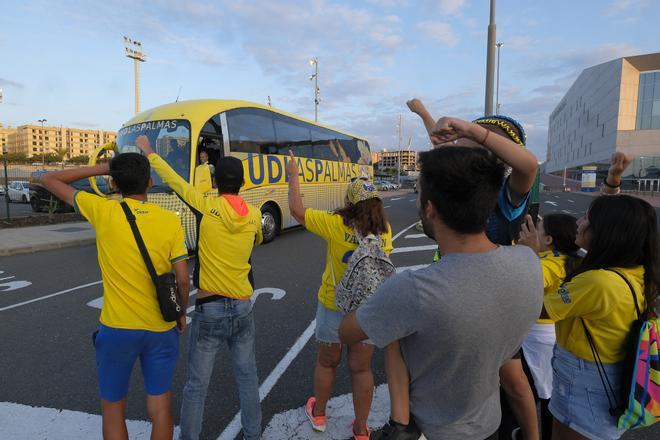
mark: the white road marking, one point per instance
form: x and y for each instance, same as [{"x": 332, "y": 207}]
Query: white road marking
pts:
[
  {"x": 396, "y": 198},
  {"x": 413, "y": 268},
  {"x": 12, "y": 285},
  {"x": 415, "y": 236},
  {"x": 556, "y": 197},
  {"x": 551, "y": 203},
  {"x": 22, "y": 421},
  {"x": 412, "y": 200},
  {"x": 41, "y": 298},
  {"x": 402, "y": 250},
  {"x": 234, "y": 427},
  {"x": 571, "y": 201},
  {"x": 566, "y": 212},
  {"x": 404, "y": 231},
  {"x": 387, "y": 206}
]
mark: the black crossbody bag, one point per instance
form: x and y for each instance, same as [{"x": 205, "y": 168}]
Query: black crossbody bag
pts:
[{"x": 167, "y": 291}]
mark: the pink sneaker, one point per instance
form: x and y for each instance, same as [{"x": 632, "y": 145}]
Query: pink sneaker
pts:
[
  {"x": 360, "y": 436},
  {"x": 318, "y": 422}
]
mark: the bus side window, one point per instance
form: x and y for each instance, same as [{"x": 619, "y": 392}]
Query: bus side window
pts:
[
  {"x": 292, "y": 135},
  {"x": 321, "y": 139},
  {"x": 210, "y": 140},
  {"x": 250, "y": 129}
]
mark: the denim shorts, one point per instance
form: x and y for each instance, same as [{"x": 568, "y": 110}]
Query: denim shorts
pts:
[
  {"x": 578, "y": 397},
  {"x": 327, "y": 324},
  {"x": 117, "y": 350}
]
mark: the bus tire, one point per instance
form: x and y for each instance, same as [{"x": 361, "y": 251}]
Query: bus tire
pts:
[{"x": 270, "y": 222}]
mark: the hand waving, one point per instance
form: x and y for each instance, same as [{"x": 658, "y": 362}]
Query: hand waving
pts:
[{"x": 529, "y": 235}]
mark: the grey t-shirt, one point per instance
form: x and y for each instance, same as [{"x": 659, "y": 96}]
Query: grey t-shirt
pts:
[{"x": 458, "y": 321}]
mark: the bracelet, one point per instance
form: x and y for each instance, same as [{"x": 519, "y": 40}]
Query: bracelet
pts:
[
  {"x": 485, "y": 137},
  {"x": 610, "y": 186}
]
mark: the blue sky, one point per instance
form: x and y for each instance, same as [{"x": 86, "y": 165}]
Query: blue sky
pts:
[{"x": 64, "y": 60}]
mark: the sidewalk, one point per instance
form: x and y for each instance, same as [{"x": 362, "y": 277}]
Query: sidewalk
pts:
[{"x": 42, "y": 238}]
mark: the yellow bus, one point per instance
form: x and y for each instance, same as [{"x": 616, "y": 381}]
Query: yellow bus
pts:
[{"x": 261, "y": 138}]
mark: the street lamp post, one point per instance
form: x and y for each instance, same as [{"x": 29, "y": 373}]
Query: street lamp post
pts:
[
  {"x": 490, "y": 60},
  {"x": 43, "y": 138},
  {"x": 497, "y": 89},
  {"x": 315, "y": 62},
  {"x": 134, "y": 51},
  {"x": 398, "y": 152}
]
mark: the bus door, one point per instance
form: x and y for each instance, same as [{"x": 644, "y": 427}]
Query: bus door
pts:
[{"x": 210, "y": 148}]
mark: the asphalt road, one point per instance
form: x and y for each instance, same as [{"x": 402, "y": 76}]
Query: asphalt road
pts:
[
  {"x": 47, "y": 359},
  {"x": 16, "y": 209}
]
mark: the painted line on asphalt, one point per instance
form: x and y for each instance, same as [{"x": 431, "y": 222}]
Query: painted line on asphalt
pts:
[
  {"x": 551, "y": 203},
  {"x": 41, "y": 298},
  {"x": 428, "y": 247},
  {"x": 387, "y": 206},
  {"x": 415, "y": 236},
  {"x": 403, "y": 232},
  {"x": 412, "y": 200},
  {"x": 234, "y": 427},
  {"x": 396, "y": 198},
  {"x": 566, "y": 211},
  {"x": 571, "y": 201}
]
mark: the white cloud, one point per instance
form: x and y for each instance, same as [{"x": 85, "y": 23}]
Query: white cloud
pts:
[
  {"x": 389, "y": 3},
  {"x": 438, "y": 31},
  {"x": 450, "y": 7},
  {"x": 620, "y": 6},
  {"x": 519, "y": 42}
]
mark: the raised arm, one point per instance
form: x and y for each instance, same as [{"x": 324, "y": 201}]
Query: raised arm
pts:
[
  {"x": 523, "y": 163},
  {"x": 184, "y": 189},
  {"x": 58, "y": 182},
  {"x": 296, "y": 206},
  {"x": 612, "y": 183},
  {"x": 416, "y": 106}
]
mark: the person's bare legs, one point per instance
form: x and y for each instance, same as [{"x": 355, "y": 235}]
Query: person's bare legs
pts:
[
  {"x": 159, "y": 409},
  {"x": 563, "y": 432},
  {"x": 398, "y": 383},
  {"x": 521, "y": 398},
  {"x": 362, "y": 383},
  {"x": 327, "y": 361},
  {"x": 114, "y": 424}
]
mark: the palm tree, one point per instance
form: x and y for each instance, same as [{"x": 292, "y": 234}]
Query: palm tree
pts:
[{"x": 61, "y": 154}]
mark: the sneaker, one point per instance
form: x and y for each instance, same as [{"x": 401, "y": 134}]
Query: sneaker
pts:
[
  {"x": 396, "y": 431},
  {"x": 360, "y": 436},
  {"x": 318, "y": 422}
]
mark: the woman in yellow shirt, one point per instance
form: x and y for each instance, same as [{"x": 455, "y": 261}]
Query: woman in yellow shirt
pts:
[
  {"x": 363, "y": 215},
  {"x": 621, "y": 239},
  {"x": 554, "y": 241}
]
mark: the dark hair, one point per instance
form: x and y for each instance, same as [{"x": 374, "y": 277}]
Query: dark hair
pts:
[
  {"x": 624, "y": 233},
  {"x": 367, "y": 217},
  {"x": 463, "y": 184},
  {"x": 229, "y": 175},
  {"x": 130, "y": 172},
  {"x": 563, "y": 230}
]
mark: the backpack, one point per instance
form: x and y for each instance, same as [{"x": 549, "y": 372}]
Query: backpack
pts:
[{"x": 367, "y": 269}]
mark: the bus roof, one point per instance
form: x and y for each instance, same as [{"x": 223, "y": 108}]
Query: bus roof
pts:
[{"x": 199, "y": 111}]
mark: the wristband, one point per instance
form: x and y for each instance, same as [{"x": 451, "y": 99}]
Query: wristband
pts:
[
  {"x": 610, "y": 186},
  {"x": 485, "y": 137}
]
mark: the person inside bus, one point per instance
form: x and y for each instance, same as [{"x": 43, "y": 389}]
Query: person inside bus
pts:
[
  {"x": 131, "y": 323},
  {"x": 363, "y": 214},
  {"x": 204, "y": 173},
  {"x": 229, "y": 228},
  {"x": 502, "y": 228}
]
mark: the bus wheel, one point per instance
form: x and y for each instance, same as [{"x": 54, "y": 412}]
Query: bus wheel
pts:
[{"x": 270, "y": 222}]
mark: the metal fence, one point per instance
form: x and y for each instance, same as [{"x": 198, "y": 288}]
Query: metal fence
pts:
[{"x": 15, "y": 202}]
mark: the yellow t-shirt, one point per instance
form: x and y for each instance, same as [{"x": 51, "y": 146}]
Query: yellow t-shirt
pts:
[
  {"x": 341, "y": 244},
  {"x": 228, "y": 231},
  {"x": 605, "y": 303},
  {"x": 129, "y": 295},
  {"x": 553, "y": 265},
  {"x": 203, "y": 182}
]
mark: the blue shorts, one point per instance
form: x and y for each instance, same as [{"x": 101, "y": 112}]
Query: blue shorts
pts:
[
  {"x": 578, "y": 397},
  {"x": 118, "y": 349},
  {"x": 327, "y": 324}
]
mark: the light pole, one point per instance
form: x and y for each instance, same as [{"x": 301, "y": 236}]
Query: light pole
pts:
[
  {"x": 497, "y": 90},
  {"x": 490, "y": 60},
  {"x": 43, "y": 152},
  {"x": 315, "y": 62},
  {"x": 398, "y": 152},
  {"x": 134, "y": 51}
]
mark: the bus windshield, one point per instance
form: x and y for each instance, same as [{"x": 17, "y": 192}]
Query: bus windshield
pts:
[{"x": 169, "y": 138}]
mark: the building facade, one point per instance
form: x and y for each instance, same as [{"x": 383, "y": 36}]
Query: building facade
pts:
[
  {"x": 5, "y": 132},
  {"x": 614, "y": 106},
  {"x": 390, "y": 160},
  {"x": 34, "y": 140}
]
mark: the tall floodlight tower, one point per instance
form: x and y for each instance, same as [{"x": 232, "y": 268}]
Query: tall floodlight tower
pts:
[
  {"x": 490, "y": 61},
  {"x": 134, "y": 51}
]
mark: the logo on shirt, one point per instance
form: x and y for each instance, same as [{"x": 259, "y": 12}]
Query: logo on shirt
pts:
[{"x": 564, "y": 294}]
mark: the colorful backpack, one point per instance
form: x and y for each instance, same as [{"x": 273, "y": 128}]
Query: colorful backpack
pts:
[{"x": 367, "y": 269}]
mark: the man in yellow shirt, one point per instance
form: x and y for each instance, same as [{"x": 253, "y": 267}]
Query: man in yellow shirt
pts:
[
  {"x": 229, "y": 228},
  {"x": 131, "y": 322}
]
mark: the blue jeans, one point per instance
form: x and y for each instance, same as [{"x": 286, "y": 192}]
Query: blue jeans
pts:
[{"x": 225, "y": 321}]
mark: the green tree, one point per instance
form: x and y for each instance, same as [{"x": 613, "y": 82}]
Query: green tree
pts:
[
  {"x": 79, "y": 160},
  {"x": 61, "y": 154}
]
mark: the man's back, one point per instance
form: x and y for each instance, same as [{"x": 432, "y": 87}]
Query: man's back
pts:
[{"x": 463, "y": 317}]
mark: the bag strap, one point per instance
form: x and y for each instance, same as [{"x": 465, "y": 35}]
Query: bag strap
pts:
[
  {"x": 632, "y": 291},
  {"x": 607, "y": 385},
  {"x": 140, "y": 243}
]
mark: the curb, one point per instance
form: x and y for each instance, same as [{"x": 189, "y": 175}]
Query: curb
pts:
[{"x": 46, "y": 247}]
